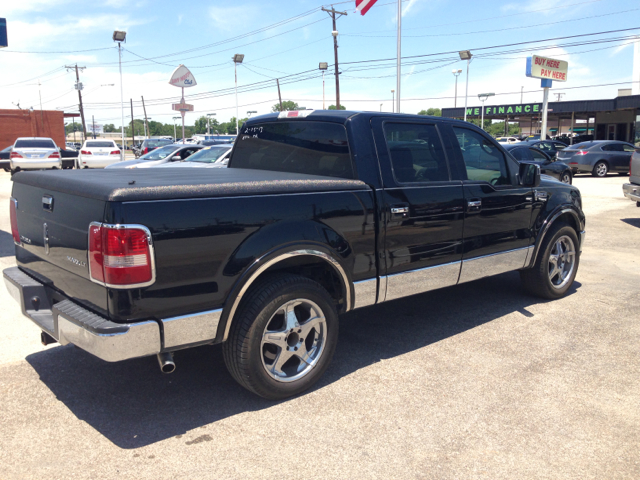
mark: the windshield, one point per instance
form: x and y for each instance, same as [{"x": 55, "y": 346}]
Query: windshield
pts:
[
  {"x": 314, "y": 148},
  {"x": 99, "y": 145},
  {"x": 208, "y": 155},
  {"x": 159, "y": 153},
  {"x": 35, "y": 144}
]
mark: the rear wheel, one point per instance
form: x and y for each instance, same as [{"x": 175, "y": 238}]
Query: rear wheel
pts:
[
  {"x": 600, "y": 169},
  {"x": 283, "y": 336},
  {"x": 556, "y": 266}
]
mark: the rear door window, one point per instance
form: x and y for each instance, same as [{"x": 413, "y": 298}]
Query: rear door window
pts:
[
  {"x": 416, "y": 153},
  {"x": 538, "y": 156},
  {"x": 628, "y": 148},
  {"x": 314, "y": 148},
  {"x": 483, "y": 160},
  {"x": 35, "y": 144}
]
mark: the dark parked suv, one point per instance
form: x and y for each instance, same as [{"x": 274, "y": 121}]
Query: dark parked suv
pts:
[{"x": 151, "y": 144}]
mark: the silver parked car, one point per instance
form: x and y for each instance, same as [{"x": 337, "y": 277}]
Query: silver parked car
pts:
[
  {"x": 159, "y": 156},
  {"x": 34, "y": 153},
  {"x": 631, "y": 190},
  {"x": 209, "y": 157},
  {"x": 598, "y": 157}
]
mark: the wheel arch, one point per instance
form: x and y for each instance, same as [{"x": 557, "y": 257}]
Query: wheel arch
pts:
[
  {"x": 312, "y": 261},
  {"x": 566, "y": 214}
]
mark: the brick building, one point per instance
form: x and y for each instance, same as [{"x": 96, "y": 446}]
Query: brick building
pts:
[{"x": 28, "y": 123}]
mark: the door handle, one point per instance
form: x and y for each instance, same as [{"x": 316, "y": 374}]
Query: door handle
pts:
[
  {"x": 401, "y": 211},
  {"x": 474, "y": 205}
]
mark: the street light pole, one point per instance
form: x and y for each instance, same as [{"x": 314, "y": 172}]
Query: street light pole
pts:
[
  {"x": 398, "y": 58},
  {"x": 209, "y": 115},
  {"x": 119, "y": 36},
  {"x": 466, "y": 55},
  {"x": 175, "y": 134},
  {"x": 455, "y": 98},
  {"x": 393, "y": 101},
  {"x": 483, "y": 97},
  {"x": 237, "y": 58},
  {"x": 323, "y": 66}
]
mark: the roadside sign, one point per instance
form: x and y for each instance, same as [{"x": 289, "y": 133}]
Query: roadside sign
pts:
[
  {"x": 547, "y": 68},
  {"x": 182, "y": 107},
  {"x": 182, "y": 77}
]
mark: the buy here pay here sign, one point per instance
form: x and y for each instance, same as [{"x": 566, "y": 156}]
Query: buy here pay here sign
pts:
[{"x": 547, "y": 68}]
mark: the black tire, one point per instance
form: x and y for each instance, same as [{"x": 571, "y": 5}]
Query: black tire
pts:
[
  {"x": 245, "y": 357},
  {"x": 536, "y": 279},
  {"x": 566, "y": 178},
  {"x": 600, "y": 169}
]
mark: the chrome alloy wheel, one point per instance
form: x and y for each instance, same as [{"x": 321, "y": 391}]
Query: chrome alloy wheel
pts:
[
  {"x": 562, "y": 262},
  {"x": 601, "y": 169},
  {"x": 293, "y": 340},
  {"x": 566, "y": 178}
]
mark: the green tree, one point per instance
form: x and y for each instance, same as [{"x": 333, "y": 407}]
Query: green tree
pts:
[
  {"x": 333, "y": 107},
  {"x": 110, "y": 128},
  {"x": 434, "y": 112},
  {"x": 287, "y": 105}
]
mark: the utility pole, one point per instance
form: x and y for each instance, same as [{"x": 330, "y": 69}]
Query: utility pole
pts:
[
  {"x": 79, "y": 88},
  {"x": 279, "y": 96},
  {"x": 93, "y": 120},
  {"x": 133, "y": 131},
  {"x": 521, "y": 94},
  {"x": 332, "y": 13},
  {"x": 559, "y": 96},
  {"x": 41, "y": 112},
  {"x": 146, "y": 122}
]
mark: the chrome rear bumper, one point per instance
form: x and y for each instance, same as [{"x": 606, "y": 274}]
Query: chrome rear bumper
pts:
[
  {"x": 631, "y": 191},
  {"x": 67, "y": 322}
]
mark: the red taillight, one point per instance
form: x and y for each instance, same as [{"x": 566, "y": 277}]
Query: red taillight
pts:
[
  {"x": 115, "y": 152},
  {"x": 120, "y": 256},
  {"x": 573, "y": 163},
  {"x": 582, "y": 152},
  {"x": 85, "y": 152},
  {"x": 15, "y": 155},
  {"x": 13, "y": 215},
  {"x": 146, "y": 149},
  {"x": 55, "y": 155}
]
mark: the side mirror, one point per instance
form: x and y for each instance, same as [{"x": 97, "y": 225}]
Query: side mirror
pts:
[
  {"x": 529, "y": 174},
  {"x": 176, "y": 158}
]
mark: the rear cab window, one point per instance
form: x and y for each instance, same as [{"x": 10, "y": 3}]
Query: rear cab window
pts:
[
  {"x": 416, "y": 153},
  {"x": 307, "y": 147},
  {"x": 34, "y": 144}
]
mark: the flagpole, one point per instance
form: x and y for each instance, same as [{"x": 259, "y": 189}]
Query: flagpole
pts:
[{"x": 399, "y": 56}]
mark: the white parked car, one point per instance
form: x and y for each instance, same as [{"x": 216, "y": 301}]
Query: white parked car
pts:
[
  {"x": 98, "y": 154},
  {"x": 34, "y": 153},
  {"x": 507, "y": 140}
]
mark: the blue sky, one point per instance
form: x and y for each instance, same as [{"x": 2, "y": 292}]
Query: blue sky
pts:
[{"x": 202, "y": 30}]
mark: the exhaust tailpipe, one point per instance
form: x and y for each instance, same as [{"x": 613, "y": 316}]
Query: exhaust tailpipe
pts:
[{"x": 166, "y": 362}]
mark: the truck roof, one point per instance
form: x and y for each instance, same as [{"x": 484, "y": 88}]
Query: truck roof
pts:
[{"x": 337, "y": 116}]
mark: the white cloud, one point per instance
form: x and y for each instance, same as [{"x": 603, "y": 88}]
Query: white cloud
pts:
[
  {"x": 232, "y": 18},
  {"x": 14, "y": 7}
]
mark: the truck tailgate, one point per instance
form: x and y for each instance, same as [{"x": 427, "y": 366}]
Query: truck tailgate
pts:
[{"x": 53, "y": 228}]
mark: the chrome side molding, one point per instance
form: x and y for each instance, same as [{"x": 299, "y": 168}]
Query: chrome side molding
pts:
[
  {"x": 422, "y": 280},
  {"x": 488, "y": 265},
  {"x": 189, "y": 329}
]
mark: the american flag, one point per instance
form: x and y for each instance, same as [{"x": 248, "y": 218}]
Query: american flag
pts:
[{"x": 363, "y": 6}]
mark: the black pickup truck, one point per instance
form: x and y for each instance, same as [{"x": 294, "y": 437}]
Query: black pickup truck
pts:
[{"x": 318, "y": 213}]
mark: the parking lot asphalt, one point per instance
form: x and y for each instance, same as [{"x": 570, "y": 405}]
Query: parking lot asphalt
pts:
[{"x": 478, "y": 381}]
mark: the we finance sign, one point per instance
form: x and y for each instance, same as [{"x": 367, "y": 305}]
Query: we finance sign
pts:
[{"x": 524, "y": 109}]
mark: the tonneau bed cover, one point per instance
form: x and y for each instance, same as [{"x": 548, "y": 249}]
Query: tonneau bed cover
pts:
[{"x": 127, "y": 185}]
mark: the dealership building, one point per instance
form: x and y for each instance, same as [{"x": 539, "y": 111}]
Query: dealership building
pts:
[{"x": 610, "y": 119}]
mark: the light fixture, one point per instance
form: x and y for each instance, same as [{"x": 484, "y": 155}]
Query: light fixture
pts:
[
  {"x": 119, "y": 36},
  {"x": 465, "y": 55},
  {"x": 323, "y": 66},
  {"x": 238, "y": 58}
]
